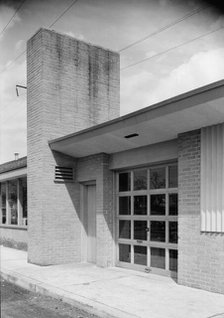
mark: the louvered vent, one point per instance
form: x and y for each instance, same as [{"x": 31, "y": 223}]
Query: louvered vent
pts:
[
  {"x": 212, "y": 178},
  {"x": 63, "y": 174}
]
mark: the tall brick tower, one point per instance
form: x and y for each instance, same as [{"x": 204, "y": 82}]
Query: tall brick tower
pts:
[{"x": 71, "y": 85}]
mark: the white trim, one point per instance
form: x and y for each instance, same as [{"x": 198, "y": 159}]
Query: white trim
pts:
[{"x": 13, "y": 174}]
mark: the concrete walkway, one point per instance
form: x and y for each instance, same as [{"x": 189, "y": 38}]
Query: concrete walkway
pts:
[{"x": 112, "y": 292}]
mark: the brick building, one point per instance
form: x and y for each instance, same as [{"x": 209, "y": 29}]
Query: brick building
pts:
[{"x": 141, "y": 191}]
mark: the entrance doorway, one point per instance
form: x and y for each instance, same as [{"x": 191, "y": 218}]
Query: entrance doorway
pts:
[
  {"x": 147, "y": 219},
  {"x": 90, "y": 216}
]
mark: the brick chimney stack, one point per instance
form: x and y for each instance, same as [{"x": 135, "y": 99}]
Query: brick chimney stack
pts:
[{"x": 71, "y": 85}]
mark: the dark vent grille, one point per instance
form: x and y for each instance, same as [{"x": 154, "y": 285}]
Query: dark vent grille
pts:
[{"x": 63, "y": 173}]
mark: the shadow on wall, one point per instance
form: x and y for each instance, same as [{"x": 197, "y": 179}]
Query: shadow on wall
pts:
[
  {"x": 92, "y": 168},
  {"x": 13, "y": 244}
]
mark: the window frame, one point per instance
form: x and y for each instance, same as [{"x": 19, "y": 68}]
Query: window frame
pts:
[{"x": 21, "y": 221}]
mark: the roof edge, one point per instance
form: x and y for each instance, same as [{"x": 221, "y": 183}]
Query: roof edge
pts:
[
  {"x": 162, "y": 104},
  {"x": 13, "y": 165}
]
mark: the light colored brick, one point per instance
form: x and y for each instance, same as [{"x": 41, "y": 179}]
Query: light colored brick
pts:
[
  {"x": 201, "y": 255},
  {"x": 71, "y": 86}
]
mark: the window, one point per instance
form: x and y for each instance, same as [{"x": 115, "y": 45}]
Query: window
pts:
[
  {"x": 3, "y": 203},
  {"x": 13, "y": 202}
]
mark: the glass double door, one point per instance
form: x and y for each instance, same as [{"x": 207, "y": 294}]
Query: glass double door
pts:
[{"x": 147, "y": 227}]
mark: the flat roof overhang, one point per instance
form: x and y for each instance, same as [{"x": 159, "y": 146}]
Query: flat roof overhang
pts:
[{"x": 160, "y": 122}]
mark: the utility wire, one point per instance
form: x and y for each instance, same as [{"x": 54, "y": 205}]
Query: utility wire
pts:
[
  {"x": 12, "y": 17},
  {"x": 171, "y": 49},
  {"x": 11, "y": 62},
  {"x": 53, "y": 23},
  {"x": 61, "y": 15},
  {"x": 185, "y": 17}
]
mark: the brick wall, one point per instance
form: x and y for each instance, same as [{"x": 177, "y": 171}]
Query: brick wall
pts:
[
  {"x": 14, "y": 238},
  {"x": 201, "y": 255},
  {"x": 71, "y": 85}
]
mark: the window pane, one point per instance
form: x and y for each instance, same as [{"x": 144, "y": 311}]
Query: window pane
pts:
[
  {"x": 124, "y": 229},
  {"x": 173, "y": 255},
  {"x": 158, "y": 257},
  {"x": 125, "y": 253},
  {"x": 158, "y": 231},
  {"x": 13, "y": 201},
  {"x": 173, "y": 177},
  {"x": 3, "y": 202},
  {"x": 140, "y": 255},
  {"x": 140, "y": 205},
  {"x": 125, "y": 181},
  {"x": 124, "y": 205},
  {"x": 173, "y": 204},
  {"x": 140, "y": 180},
  {"x": 157, "y": 178},
  {"x": 158, "y": 204},
  {"x": 24, "y": 200},
  {"x": 140, "y": 230},
  {"x": 173, "y": 238}
]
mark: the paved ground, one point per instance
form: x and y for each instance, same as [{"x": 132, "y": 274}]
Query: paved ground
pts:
[
  {"x": 17, "y": 302},
  {"x": 111, "y": 292}
]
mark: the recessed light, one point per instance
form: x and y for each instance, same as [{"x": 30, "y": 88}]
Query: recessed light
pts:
[{"x": 131, "y": 135}]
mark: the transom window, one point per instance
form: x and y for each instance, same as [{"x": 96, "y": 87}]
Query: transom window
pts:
[{"x": 147, "y": 227}]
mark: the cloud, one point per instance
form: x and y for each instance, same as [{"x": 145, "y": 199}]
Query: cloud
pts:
[
  {"x": 150, "y": 53},
  {"x": 20, "y": 45},
  {"x": 135, "y": 90},
  {"x": 219, "y": 23},
  {"x": 70, "y": 33},
  {"x": 6, "y": 14},
  {"x": 78, "y": 36},
  {"x": 163, "y": 3},
  {"x": 201, "y": 69}
]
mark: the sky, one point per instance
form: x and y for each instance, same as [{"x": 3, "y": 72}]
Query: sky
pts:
[{"x": 168, "y": 58}]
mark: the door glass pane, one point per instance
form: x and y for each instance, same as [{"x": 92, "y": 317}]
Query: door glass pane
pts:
[
  {"x": 140, "y": 180},
  {"x": 173, "y": 177},
  {"x": 13, "y": 201},
  {"x": 157, "y": 178},
  {"x": 140, "y": 230},
  {"x": 158, "y": 257},
  {"x": 173, "y": 204},
  {"x": 125, "y": 181},
  {"x": 140, "y": 255},
  {"x": 140, "y": 205},
  {"x": 173, "y": 254},
  {"x": 124, "y": 229},
  {"x": 158, "y": 231},
  {"x": 173, "y": 232},
  {"x": 125, "y": 253},
  {"x": 124, "y": 205},
  {"x": 158, "y": 204},
  {"x": 3, "y": 202}
]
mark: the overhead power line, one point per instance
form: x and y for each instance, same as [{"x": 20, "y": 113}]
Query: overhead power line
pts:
[
  {"x": 185, "y": 17},
  {"x": 61, "y": 15},
  {"x": 171, "y": 49},
  {"x": 53, "y": 23},
  {"x": 12, "y": 17}
]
